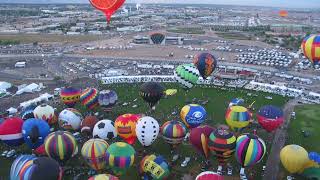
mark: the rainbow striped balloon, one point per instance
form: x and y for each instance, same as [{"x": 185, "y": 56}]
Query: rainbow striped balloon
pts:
[
  {"x": 89, "y": 98},
  {"x": 311, "y": 48},
  {"x": 60, "y": 145},
  {"x": 173, "y": 132},
  {"x": 238, "y": 117},
  {"x": 94, "y": 153},
  {"x": 120, "y": 156},
  {"x": 18, "y": 165},
  {"x": 250, "y": 149},
  {"x": 70, "y": 96}
]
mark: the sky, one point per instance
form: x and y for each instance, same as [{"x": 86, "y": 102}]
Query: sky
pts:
[{"x": 272, "y": 3}]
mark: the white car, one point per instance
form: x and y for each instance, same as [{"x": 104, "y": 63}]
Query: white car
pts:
[
  {"x": 185, "y": 162},
  {"x": 229, "y": 171},
  {"x": 4, "y": 153},
  {"x": 290, "y": 178},
  {"x": 11, "y": 153}
]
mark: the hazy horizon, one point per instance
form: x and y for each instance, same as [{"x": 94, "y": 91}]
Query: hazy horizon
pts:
[{"x": 269, "y": 3}]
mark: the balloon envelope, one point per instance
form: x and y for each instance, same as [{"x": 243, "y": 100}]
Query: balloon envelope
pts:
[
  {"x": 126, "y": 127},
  {"x": 147, "y": 130},
  {"x": 187, "y": 75},
  {"x": 46, "y": 113},
  {"x": 120, "y": 156},
  {"x": 34, "y": 132},
  {"x": 173, "y": 132},
  {"x": 205, "y": 63},
  {"x": 107, "y": 6},
  {"x": 154, "y": 167},
  {"x": 11, "y": 131},
  {"x": 209, "y": 175},
  {"x": 293, "y": 158},
  {"x": 89, "y": 98},
  {"x": 103, "y": 177},
  {"x": 199, "y": 139},
  {"x": 94, "y": 153},
  {"x": 238, "y": 117},
  {"x": 107, "y": 98},
  {"x": 151, "y": 92},
  {"x": 193, "y": 115},
  {"x": 70, "y": 119},
  {"x": 310, "y": 48},
  {"x": 270, "y": 117},
  {"x": 70, "y": 96},
  {"x": 250, "y": 149}
]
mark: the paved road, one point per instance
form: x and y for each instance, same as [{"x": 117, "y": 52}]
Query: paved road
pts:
[{"x": 273, "y": 162}]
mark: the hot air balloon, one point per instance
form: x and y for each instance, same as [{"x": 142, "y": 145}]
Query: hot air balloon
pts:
[
  {"x": 36, "y": 168},
  {"x": 283, "y": 13},
  {"x": 27, "y": 113},
  {"x": 126, "y": 127},
  {"x": 171, "y": 92},
  {"x": 45, "y": 112},
  {"x": 250, "y": 149},
  {"x": 34, "y": 132},
  {"x": 193, "y": 115},
  {"x": 223, "y": 144},
  {"x": 70, "y": 119},
  {"x": 89, "y": 98},
  {"x": 120, "y": 156},
  {"x": 104, "y": 129},
  {"x": 94, "y": 153},
  {"x": 187, "y": 75},
  {"x": 17, "y": 165},
  {"x": 311, "y": 49},
  {"x": 70, "y": 96},
  {"x": 209, "y": 175},
  {"x": 314, "y": 157},
  {"x": 270, "y": 117},
  {"x": 103, "y": 177},
  {"x": 151, "y": 92},
  {"x": 236, "y": 102},
  {"x": 205, "y": 63},
  {"x": 108, "y": 7},
  {"x": 293, "y": 158},
  {"x": 199, "y": 138},
  {"x": 11, "y": 131},
  {"x": 173, "y": 132},
  {"x": 107, "y": 98},
  {"x": 147, "y": 130},
  {"x": 311, "y": 173},
  {"x": 87, "y": 125},
  {"x": 157, "y": 38},
  {"x": 238, "y": 117},
  {"x": 154, "y": 167},
  {"x": 61, "y": 146}
]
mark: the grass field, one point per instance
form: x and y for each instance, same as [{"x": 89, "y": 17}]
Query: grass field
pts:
[
  {"x": 186, "y": 30},
  {"x": 232, "y": 35},
  {"x": 218, "y": 102},
  {"x": 307, "y": 119},
  {"x": 44, "y": 38}
]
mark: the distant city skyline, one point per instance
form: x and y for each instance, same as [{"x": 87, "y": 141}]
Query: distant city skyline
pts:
[{"x": 270, "y": 3}]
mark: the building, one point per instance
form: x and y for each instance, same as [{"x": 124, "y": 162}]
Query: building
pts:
[{"x": 158, "y": 38}]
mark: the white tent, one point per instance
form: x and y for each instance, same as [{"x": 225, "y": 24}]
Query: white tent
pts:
[
  {"x": 30, "y": 88},
  {"x": 4, "y": 86}
]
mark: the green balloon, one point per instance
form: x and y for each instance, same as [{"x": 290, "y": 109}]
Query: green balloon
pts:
[{"x": 187, "y": 75}]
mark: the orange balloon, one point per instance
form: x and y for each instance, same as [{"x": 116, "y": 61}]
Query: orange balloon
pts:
[
  {"x": 109, "y": 7},
  {"x": 126, "y": 127}
]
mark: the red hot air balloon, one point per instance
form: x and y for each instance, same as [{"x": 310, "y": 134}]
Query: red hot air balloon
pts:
[
  {"x": 199, "y": 138},
  {"x": 108, "y": 7}
]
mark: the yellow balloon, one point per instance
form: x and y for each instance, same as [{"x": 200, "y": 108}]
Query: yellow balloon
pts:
[{"x": 293, "y": 158}]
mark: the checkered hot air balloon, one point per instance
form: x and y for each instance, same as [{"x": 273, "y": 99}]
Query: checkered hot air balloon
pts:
[
  {"x": 250, "y": 149},
  {"x": 238, "y": 117},
  {"x": 187, "y": 75},
  {"x": 120, "y": 156},
  {"x": 310, "y": 47},
  {"x": 70, "y": 96},
  {"x": 89, "y": 98},
  {"x": 173, "y": 132},
  {"x": 94, "y": 153},
  {"x": 205, "y": 63},
  {"x": 222, "y": 144},
  {"x": 61, "y": 146}
]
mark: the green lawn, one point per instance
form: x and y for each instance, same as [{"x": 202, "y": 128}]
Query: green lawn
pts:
[
  {"x": 218, "y": 102},
  {"x": 233, "y": 35},
  {"x": 307, "y": 119}
]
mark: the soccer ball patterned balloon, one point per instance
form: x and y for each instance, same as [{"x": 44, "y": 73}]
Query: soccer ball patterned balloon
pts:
[
  {"x": 104, "y": 129},
  {"x": 147, "y": 130}
]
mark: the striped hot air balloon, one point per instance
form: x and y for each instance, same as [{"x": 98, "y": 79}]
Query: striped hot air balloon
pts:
[
  {"x": 120, "y": 156},
  {"x": 94, "y": 153},
  {"x": 311, "y": 48},
  {"x": 11, "y": 131},
  {"x": 89, "y": 98},
  {"x": 199, "y": 138},
  {"x": 250, "y": 149},
  {"x": 238, "y": 117},
  {"x": 205, "y": 63},
  {"x": 60, "y": 145},
  {"x": 223, "y": 144},
  {"x": 70, "y": 96},
  {"x": 173, "y": 132},
  {"x": 18, "y": 164},
  {"x": 187, "y": 75}
]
